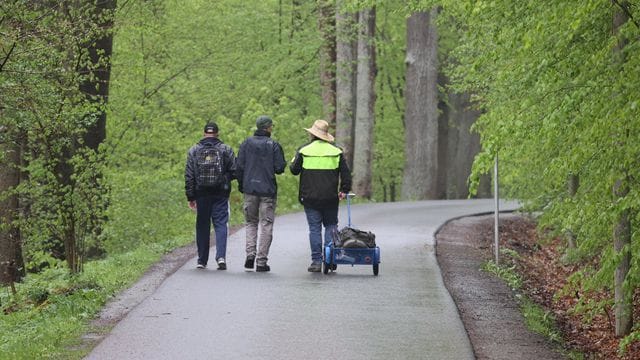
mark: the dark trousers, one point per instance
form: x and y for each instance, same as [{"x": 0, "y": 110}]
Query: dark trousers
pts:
[{"x": 214, "y": 210}]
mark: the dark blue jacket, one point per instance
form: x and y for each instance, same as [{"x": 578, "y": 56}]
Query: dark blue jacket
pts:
[
  {"x": 191, "y": 189},
  {"x": 260, "y": 158}
]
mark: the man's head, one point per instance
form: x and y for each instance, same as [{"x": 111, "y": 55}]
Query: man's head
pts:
[
  {"x": 264, "y": 123},
  {"x": 211, "y": 129}
]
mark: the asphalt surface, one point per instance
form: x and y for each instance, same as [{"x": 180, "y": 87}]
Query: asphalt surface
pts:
[{"x": 288, "y": 313}]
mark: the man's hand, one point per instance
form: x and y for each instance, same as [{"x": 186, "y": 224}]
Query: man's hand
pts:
[
  {"x": 341, "y": 195},
  {"x": 192, "y": 205}
]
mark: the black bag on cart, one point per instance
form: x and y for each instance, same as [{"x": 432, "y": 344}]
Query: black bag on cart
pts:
[{"x": 349, "y": 237}]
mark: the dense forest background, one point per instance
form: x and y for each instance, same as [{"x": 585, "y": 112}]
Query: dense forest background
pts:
[{"x": 100, "y": 101}]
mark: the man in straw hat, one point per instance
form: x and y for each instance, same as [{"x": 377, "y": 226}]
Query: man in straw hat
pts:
[{"x": 323, "y": 170}]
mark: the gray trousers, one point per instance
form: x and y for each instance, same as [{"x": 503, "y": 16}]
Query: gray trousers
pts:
[{"x": 259, "y": 213}]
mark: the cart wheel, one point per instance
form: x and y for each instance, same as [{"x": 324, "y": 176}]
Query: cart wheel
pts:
[
  {"x": 375, "y": 269},
  {"x": 325, "y": 268}
]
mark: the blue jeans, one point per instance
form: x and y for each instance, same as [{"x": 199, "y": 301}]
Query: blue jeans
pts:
[
  {"x": 211, "y": 209},
  {"x": 316, "y": 218}
]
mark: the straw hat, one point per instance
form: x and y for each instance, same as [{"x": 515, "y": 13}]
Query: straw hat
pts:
[{"x": 320, "y": 129}]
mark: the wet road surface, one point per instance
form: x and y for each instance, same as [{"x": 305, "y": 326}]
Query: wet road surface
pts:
[{"x": 403, "y": 313}]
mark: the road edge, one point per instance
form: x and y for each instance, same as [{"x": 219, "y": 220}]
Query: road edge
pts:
[
  {"x": 487, "y": 307},
  {"x": 125, "y": 301}
]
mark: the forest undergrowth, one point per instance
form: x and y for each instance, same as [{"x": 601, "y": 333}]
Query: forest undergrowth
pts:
[{"x": 546, "y": 279}]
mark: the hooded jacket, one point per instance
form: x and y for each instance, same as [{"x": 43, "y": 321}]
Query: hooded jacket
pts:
[
  {"x": 190, "y": 173},
  {"x": 323, "y": 172},
  {"x": 260, "y": 158}
]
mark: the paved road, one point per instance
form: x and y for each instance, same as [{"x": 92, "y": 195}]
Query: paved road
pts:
[{"x": 404, "y": 313}]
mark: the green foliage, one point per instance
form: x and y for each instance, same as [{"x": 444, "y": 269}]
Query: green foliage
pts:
[
  {"x": 44, "y": 114},
  {"x": 536, "y": 318},
  {"x": 556, "y": 88},
  {"x": 540, "y": 321},
  {"x": 52, "y": 309},
  {"x": 388, "y": 163},
  {"x": 505, "y": 273}
]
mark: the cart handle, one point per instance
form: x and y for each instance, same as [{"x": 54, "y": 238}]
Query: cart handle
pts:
[{"x": 349, "y": 196}]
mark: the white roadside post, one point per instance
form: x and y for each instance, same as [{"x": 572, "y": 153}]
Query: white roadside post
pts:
[{"x": 496, "y": 195}]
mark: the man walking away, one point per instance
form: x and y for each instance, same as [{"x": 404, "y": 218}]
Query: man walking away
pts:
[
  {"x": 208, "y": 174},
  {"x": 322, "y": 169},
  {"x": 260, "y": 158}
]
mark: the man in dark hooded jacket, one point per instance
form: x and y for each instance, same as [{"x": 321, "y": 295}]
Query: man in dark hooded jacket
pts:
[
  {"x": 208, "y": 174},
  {"x": 260, "y": 158}
]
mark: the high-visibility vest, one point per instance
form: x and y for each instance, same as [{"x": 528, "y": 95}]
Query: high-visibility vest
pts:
[{"x": 320, "y": 155}]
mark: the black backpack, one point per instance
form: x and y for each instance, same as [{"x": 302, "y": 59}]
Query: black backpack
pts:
[{"x": 209, "y": 166}]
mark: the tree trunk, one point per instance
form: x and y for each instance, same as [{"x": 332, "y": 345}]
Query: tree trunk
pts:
[
  {"x": 327, "y": 25},
  {"x": 420, "y": 179},
  {"x": 365, "y": 105},
  {"x": 447, "y": 136},
  {"x": 296, "y": 19},
  {"x": 462, "y": 145},
  {"x": 11, "y": 263},
  {"x": 94, "y": 84},
  {"x": 345, "y": 81},
  {"x": 623, "y": 296},
  {"x": 573, "y": 182},
  {"x": 622, "y": 243},
  {"x": 98, "y": 71}
]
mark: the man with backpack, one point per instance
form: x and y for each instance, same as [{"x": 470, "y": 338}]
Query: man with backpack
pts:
[
  {"x": 325, "y": 178},
  {"x": 208, "y": 174},
  {"x": 260, "y": 158}
]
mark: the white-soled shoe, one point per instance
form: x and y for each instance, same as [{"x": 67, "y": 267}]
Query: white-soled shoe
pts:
[{"x": 221, "y": 264}]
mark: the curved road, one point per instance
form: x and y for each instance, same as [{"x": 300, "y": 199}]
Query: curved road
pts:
[{"x": 288, "y": 313}]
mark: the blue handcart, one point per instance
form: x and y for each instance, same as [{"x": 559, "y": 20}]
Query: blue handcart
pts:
[{"x": 350, "y": 255}]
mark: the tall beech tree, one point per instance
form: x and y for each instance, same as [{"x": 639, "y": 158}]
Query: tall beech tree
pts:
[
  {"x": 327, "y": 26},
  {"x": 346, "y": 52},
  {"x": 11, "y": 262},
  {"x": 96, "y": 70},
  {"x": 420, "y": 179},
  {"x": 623, "y": 289},
  {"x": 365, "y": 104}
]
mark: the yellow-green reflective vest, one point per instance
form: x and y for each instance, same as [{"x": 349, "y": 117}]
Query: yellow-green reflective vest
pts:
[{"x": 320, "y": 155}]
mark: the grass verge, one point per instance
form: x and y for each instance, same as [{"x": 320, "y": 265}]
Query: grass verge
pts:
[
  {"x": 51, "y": 310},
  {"x": 537, "y": 318}
]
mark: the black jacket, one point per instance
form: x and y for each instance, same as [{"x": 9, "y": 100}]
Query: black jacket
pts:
[
  {"x": 259, "y": 159},
  {"x": 191, "y": 189},
  {"x": 323, "y": 170}
]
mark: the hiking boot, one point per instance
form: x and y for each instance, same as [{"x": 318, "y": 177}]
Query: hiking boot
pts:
[
  {"x": 221, "y": 264},
  {"x": 263, "y": 268},
  {"x": 248, "y": 264},
  {"x": 315, "y": 267}
]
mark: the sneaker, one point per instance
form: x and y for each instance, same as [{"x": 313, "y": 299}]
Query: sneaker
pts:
[
  {"x": 221, "y": 264},
  {"x": 201, "y": 266},
  {"x": 248, "y": 264},
  {"x": 263, "y": 268},
  {"x": 315, "y": 267}
]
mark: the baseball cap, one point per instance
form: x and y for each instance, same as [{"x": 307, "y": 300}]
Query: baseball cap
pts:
[{"x": 211, "y": 128}]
